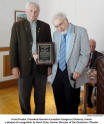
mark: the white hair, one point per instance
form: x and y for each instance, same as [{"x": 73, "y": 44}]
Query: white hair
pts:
[
  {"x": 33, "y": 3},
  {"x": 59, "y": 15},
  {"x": 92, "y": 40}
]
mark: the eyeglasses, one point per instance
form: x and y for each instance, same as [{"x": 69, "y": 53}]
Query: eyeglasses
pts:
[
  {"x": 93, "y": 46},
  {"x": 60, "y": 24}
]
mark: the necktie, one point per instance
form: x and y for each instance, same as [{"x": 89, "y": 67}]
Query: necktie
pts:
[
  {"x": 89, "y": 61},
  {"x": 62, "y": 54}
]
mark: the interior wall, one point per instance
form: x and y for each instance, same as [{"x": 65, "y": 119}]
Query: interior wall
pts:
[
  {"x": 87, "y": 13},
  {"x": 90, "y": 14},
  {"x": 7, "y": 9}
]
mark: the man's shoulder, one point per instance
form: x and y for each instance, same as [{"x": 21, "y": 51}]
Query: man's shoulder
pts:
[
  {"x": 78, "y": 28},
  {"x": 56, "y": 34},
  {"x": 21, "y": 22},
  {"x": 42, "y": 23},
  {"x": 98, "y": 53}
]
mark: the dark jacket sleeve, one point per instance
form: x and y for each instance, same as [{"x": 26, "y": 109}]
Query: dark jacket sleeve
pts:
[
  {"x": 13, "y": 48},
  {"x": 95, "y": 57}
]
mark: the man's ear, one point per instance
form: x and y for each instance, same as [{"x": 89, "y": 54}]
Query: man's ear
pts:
[{"x": 67, "y": 20}]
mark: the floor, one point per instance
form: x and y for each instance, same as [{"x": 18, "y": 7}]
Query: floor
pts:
[{"x": 9, "y": 103}]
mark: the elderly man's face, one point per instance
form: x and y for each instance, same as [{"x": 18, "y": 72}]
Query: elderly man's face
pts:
[
  {"x": 32, "y": 12},
  {"x": 92, "y": 45},
  {"x": 61, "y": 24}
]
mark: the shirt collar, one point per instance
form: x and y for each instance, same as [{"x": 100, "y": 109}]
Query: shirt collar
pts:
[
  {"x": 69, "y": 29},
  {"x": 31, "y": 23}
]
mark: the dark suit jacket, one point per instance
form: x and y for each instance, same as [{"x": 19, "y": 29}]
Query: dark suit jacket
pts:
[
  {"x": 95, "y": 55},
  {"x": 21, "y": 44}
]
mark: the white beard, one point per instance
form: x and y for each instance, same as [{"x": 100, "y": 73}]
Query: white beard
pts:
[{"x": 63, "y": 32}]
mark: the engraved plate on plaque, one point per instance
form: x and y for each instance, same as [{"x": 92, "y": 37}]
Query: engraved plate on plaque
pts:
[{"x": 45, "y": 53}]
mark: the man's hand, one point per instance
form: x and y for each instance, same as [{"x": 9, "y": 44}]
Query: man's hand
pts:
[
  {"x": 76, "y": 75},
  {"x": 49, "y": 71},
  {"x": 16, "y": 72},
  {"x": 35, "y": 56}
]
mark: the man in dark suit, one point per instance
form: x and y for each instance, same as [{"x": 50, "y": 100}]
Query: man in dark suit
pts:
[
  {"x": 92, "y": 64},
  {"x": 24, "y": 36}
]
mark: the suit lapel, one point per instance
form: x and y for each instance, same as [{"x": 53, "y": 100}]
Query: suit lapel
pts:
[
  {"x": 37, "y": 30},
  {"x": 71, "y": 41},
  {"x": 28, "y": 31},
  {"x": 59, "y": 42}
]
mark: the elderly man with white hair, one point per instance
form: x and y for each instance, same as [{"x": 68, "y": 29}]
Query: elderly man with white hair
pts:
[
  {"x": 68, "y": 71},
  {"x": 25, "y": 35},
  {"x": 92, "y": 64}
]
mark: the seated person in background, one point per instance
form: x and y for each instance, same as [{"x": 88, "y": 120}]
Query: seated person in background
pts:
[{"x": 92, "y": 64}]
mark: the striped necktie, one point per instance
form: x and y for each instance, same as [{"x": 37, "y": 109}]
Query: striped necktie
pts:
[{"x": 62, "y": 54}]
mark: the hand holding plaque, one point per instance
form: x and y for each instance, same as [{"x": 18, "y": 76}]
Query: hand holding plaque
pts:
[
  {"x": 45, "y": 53},
  {"x": 35, "y": 56}
]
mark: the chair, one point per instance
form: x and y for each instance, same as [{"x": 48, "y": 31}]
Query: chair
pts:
[
  {"x": 100, "y": 85},
  {"x": 92, "y": 80}
]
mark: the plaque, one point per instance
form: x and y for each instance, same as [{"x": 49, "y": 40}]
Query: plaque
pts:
[{"x": 45, "y": 53}]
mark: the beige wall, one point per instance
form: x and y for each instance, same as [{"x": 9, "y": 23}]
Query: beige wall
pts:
[
  {"x": 87, "y": 13},
  {"x": 7, "y": 8}
]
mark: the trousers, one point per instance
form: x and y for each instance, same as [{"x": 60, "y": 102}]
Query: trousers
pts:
[
  {"x": 67, "y": 98},
  {"x": 38, "y": 81}
]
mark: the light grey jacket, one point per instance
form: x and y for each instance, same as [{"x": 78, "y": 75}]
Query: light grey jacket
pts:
[{"x": 78, "y": 54}]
